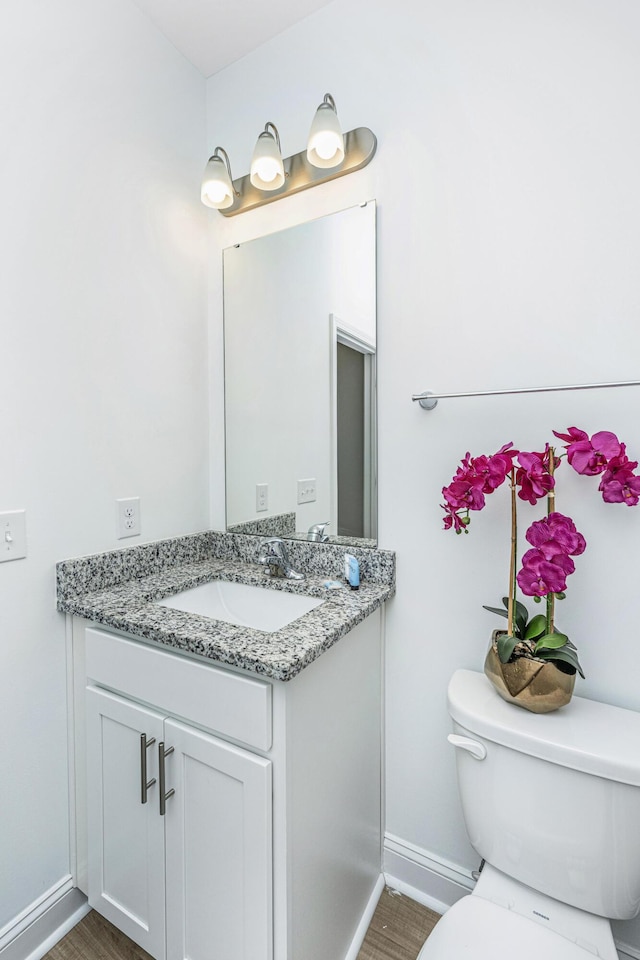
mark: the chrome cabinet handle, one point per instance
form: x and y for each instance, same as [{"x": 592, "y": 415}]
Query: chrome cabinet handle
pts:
[
  {"x": 144, "y": 783},
  {"x": 162, "y": 753}
]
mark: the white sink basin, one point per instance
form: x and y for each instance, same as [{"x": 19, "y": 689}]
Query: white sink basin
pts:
[{"x": 242, "y": 604}]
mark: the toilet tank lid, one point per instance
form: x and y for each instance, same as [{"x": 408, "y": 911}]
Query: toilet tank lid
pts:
[{"x": 593, "y": 737}]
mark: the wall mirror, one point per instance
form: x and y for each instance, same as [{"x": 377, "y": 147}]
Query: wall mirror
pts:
[{"x": 300, "y": 381}]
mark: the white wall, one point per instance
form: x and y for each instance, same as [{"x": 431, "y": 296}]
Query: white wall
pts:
[
  {"x": 103, "y": 390},
  {"x": 507, "y": 187}
]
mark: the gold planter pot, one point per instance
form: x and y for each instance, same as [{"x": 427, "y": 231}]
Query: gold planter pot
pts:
[{"x": 535, "y": 686}]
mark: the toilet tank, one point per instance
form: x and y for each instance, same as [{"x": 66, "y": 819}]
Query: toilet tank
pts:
[{"x": 555, "y": 802}]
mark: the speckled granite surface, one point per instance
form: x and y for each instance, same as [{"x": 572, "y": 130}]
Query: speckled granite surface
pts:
[
  {"x": 339, "y": 541},
  {"x": 117, "y": 589},
  {"x": 279, "y": 525},
  {"x": 284, "y": 525}
]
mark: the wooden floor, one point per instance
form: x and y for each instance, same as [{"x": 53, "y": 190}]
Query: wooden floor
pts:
[
  {"x": 397, "y": 931},
  {"x": 398, "y": 928},
  {"x": 94, "y": 938}
]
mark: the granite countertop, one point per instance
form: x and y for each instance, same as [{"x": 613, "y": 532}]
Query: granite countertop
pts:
[{"x": 118, "y": 590}]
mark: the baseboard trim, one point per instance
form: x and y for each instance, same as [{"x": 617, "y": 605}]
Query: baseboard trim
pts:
[
  {"x": 43, "y": 923},
  {"x": 627, "y": 952},
  {"x": 369, "y": 910},
  {"x": 423, "y": 876}
]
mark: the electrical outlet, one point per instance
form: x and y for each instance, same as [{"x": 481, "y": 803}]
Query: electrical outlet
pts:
[
  {"x": 128, "y": 517},
  {"x": 306, "y": 491},
  {"x": 262, "y": 497}
]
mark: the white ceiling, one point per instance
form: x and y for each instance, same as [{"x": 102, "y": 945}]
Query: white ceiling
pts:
[{"x": 214, "y": 33}]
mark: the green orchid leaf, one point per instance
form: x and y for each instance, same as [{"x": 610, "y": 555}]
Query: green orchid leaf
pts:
[
  {"x": 551, "y": 641},
  {"x": 536, "y": 627},
  {"x": 565, "y": 655},
  {"x": 501, "y": 613},
  {"x": 520, "y": 616},
  {"x": 505, "y": 645}
]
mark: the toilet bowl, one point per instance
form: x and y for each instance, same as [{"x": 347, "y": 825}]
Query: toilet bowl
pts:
[
  {"x": 524, "y": 924},
  {"x": 551, "y": 804},
  {"x": 478, "y": 928}
]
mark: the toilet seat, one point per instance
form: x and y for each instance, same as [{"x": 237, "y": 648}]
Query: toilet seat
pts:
[{"x": 479, "y": 929}]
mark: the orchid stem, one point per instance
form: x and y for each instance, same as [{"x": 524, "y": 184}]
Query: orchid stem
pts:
[
  {"x": 551, "y": 506},
  {"x": 512, "y": 568}
]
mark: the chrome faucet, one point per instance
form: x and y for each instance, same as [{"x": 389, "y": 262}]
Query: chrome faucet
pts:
[
  {"x": 273, "y": 556},
  {"x": 316, "y": 532}
]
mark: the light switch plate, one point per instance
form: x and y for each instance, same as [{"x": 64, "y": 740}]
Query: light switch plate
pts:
[
  {"x": 13, "y": 535},
  {"x": 306, "y": 490}
]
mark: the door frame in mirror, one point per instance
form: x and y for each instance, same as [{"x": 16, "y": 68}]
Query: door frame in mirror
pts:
[{"x": 342, "y": 333}]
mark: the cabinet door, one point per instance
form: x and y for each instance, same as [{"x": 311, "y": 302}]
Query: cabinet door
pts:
[
  {"x": 125, "y": 836},
  {"x": 218, "y": 849}
]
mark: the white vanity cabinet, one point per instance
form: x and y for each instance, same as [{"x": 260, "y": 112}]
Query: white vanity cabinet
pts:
[
  {"x": 179, "y": 845},
  {"x": 125, "y": 837},
  {"x": 177, "y": 817},
  {"x": 268, "y": 845}
]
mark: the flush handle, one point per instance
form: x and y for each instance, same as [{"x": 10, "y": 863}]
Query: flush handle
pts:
[{"x": 477, "y": 750}]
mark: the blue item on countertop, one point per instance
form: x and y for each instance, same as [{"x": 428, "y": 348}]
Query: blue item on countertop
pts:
[{"x": 352, "y": 571}]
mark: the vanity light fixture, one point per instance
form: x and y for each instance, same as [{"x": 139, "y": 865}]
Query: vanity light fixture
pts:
[
  {"x": 329, "y": 154},
  {"x": 217, "y": 189},
  {"x": 267, "y": 169},
  {"x": 325, "y": 147}
]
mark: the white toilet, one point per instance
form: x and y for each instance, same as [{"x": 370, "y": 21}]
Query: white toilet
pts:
[{"x": 552, "y": 804}]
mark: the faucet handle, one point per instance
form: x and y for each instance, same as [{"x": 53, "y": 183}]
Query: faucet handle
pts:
[
  {"x": 273, "y": 555},
  {"x": 316, "y": 532},
  {"x": 274, "y": 546},
  {"x": 273, "y": 551}
]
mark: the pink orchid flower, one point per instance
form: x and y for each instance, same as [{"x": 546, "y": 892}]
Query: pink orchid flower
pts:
[
  {"x": 619, "y": 483},
  {"x": 541, "y": 577},
  {"x": 533, "y": 477},
  {"x": 556, "y": 534},
  {"x": 452, "y": 519},
  {"x": 463, "y": 494},
  {"x": 531, "y": 557},
  {"x": 475, "y": 477},
  {"x": 500, "y": 465},
  {"x": 590, "y": 456}
]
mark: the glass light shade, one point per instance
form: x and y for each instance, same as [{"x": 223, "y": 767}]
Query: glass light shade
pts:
[
  {"x": 325, "y": 147},
  {"x": 267, "y": 168},
  {"x": 217, "y": 189}
]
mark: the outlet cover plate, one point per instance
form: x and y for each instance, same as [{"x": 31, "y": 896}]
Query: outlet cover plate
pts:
[
  {"x": 262, "y": 497},
  {"x": 128, "y": 516}
]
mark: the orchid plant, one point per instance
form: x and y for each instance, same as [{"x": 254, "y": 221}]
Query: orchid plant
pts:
[{"x": 554, "y": 540}]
